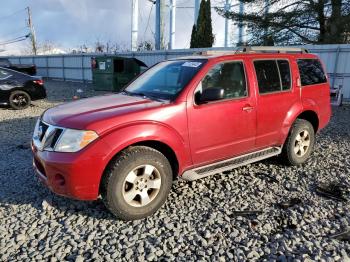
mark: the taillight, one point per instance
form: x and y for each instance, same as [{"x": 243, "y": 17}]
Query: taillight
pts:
[{"x": 39, "y": 82}]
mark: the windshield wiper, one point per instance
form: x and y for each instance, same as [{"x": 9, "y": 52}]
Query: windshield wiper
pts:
[{"x": 143, "y": 95}]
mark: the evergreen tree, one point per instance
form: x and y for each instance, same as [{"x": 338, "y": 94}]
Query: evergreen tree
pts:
[
  {"x": 202, "y": 34},
  {"x": 295, "y": 22},
  {"x": 209, "y": 37},
  {"x": 193, "y": 37}
]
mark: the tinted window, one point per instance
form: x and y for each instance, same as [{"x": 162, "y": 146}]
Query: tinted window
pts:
[
  {"x": 283, "y": 66},
  {"x": 227, "y": 76},
  {"x": 273, "y": 75},
  {"x": 268, "y": 76},
  {"x": 311, "y": 72},
  {"x": 3, "y": 74}
]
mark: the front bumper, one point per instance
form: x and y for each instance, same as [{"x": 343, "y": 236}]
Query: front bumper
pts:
[{"x": 74, "y": 175}]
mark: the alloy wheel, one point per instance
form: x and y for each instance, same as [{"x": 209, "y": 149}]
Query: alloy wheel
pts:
[
  {"x": 141, "y": 185},
  {"x": 302, "y": 143}
]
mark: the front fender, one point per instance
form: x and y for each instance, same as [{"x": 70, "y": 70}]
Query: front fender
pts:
[{"x": 137, "y": 132}]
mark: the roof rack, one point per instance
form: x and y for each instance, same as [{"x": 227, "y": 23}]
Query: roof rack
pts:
[
  {"x": 271, "y": 49},
  {"x": 215, "y": 52},
  {"x": 254, "y": 49}
]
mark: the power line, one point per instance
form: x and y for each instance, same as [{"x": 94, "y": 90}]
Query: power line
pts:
[
  {"x": 14, "y": 13},
  {"x": 13, "y": 32},
  {"x": 14, "y": 40}
]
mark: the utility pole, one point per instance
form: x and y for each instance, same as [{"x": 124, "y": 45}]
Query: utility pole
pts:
[
  {"x": 134, "y": 24},
  {"x": 240, "y": 24},
  {"x": 227, "y": 23},
  {"x": 172, "y": 24},
  {"x": 157, "y": 25},
  {"x": 32, "y": 31},
  {"x": 196, "y": 10},
  {"x": 160, "y": 8}
]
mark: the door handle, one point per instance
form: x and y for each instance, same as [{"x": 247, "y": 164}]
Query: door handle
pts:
[{"x": 247, "y": 108}]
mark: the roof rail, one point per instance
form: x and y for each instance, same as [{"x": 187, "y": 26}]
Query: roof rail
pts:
[
  {"x": 271, "y": 49},
  {"x": 215, "y": 52},
  {"x": 254, "y": 49}
]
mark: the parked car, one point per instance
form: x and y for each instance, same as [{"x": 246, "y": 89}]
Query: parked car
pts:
[
  {"x": 29, "y": 69},
  {"x": 18, "y": 90},
  {"x": 188, "y": 117}
]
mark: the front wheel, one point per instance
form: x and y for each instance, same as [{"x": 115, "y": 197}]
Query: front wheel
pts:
[
  {"x": 136, "y": 183},
  {"x": 299, "y": 144},
  {"x": 19, "y": 100}
]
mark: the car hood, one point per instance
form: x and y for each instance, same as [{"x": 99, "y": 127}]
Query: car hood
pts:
[{"x": 84, "y": 113}]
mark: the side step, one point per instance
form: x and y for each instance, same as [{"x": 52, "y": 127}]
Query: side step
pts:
[{"x": 229, "y": 164}]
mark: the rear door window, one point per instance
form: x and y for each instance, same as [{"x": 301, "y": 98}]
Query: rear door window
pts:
[
  {"x": 273, "y": 75},
  {"x": 311, "y": 72},
  {"x": 284, "y": 69}
]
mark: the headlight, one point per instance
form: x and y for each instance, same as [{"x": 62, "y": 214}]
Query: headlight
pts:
[{"x": 74, "y": 140}]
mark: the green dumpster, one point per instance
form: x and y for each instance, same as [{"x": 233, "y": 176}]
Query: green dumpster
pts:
[{"x": 112, "y": 73}]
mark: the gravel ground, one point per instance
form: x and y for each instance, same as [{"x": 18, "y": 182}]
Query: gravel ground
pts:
[{"x": 200, "y": 220}]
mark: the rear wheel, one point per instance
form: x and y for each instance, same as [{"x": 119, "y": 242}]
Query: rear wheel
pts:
[
  {"x": 299, "y": 144},
  {"x": 19, "y": 100},
  {"x": 137, "y": 183}
]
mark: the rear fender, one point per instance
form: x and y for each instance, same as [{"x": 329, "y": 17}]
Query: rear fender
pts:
[
  {"x": 294, "y": 112},
  {"x": 289, "y": 119}
]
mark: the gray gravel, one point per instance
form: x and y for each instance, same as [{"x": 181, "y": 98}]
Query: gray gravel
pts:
[{"x": 199, "y": 220}]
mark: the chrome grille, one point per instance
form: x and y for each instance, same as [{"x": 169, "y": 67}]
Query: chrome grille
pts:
[{"x": 46, "y": 136}]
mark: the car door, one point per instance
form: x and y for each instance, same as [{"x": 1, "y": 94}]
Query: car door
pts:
[
  {"x": 276, "y": 96},
  {"x": 5, "y": 85},
  {"x": 225, "y": 127}
]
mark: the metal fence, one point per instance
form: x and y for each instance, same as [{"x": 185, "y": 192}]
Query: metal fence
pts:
[{"x": 77, "y": 67}]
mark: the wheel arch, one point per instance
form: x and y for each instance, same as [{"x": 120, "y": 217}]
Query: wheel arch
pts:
[
  {"x": 310, "y": 116},
  {"x": 162, "y": 147}
]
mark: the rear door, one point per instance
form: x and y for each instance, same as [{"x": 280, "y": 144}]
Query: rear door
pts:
[
  {"x": 276, "y": 95},
  {"x": 223, "y": 128}
]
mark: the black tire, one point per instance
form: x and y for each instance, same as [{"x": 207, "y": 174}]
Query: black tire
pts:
[
  {"x": 289, "y": 156},
  {"x": 19, "y": 100},
  {"x": 114, "y": 184}
]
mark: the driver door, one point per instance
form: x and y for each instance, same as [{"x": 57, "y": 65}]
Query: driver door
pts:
[{"x": 226, "y": 127}]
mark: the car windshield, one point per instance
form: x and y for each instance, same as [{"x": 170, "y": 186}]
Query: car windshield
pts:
[{"x": 166, "y": 79}]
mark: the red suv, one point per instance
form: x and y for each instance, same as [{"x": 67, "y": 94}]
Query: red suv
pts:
[{"x": 188, "y": 117}]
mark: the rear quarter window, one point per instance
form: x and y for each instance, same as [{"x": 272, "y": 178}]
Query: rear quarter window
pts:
[{"x": 311, "y": 72}]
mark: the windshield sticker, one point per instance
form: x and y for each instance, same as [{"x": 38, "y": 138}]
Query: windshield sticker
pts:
[{"x": 191, "y": 64}]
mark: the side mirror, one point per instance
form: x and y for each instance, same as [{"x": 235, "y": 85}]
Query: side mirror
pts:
[{"x": 211, "y": 94}]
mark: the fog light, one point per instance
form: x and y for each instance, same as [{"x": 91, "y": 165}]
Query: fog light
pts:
[{"x": 59, "y": 180}]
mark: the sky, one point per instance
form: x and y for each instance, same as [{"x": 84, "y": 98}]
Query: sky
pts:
[{"x": 71, "y": 23}]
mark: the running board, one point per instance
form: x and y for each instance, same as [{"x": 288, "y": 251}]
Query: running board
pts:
[{"x": 229, "y": 164}]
